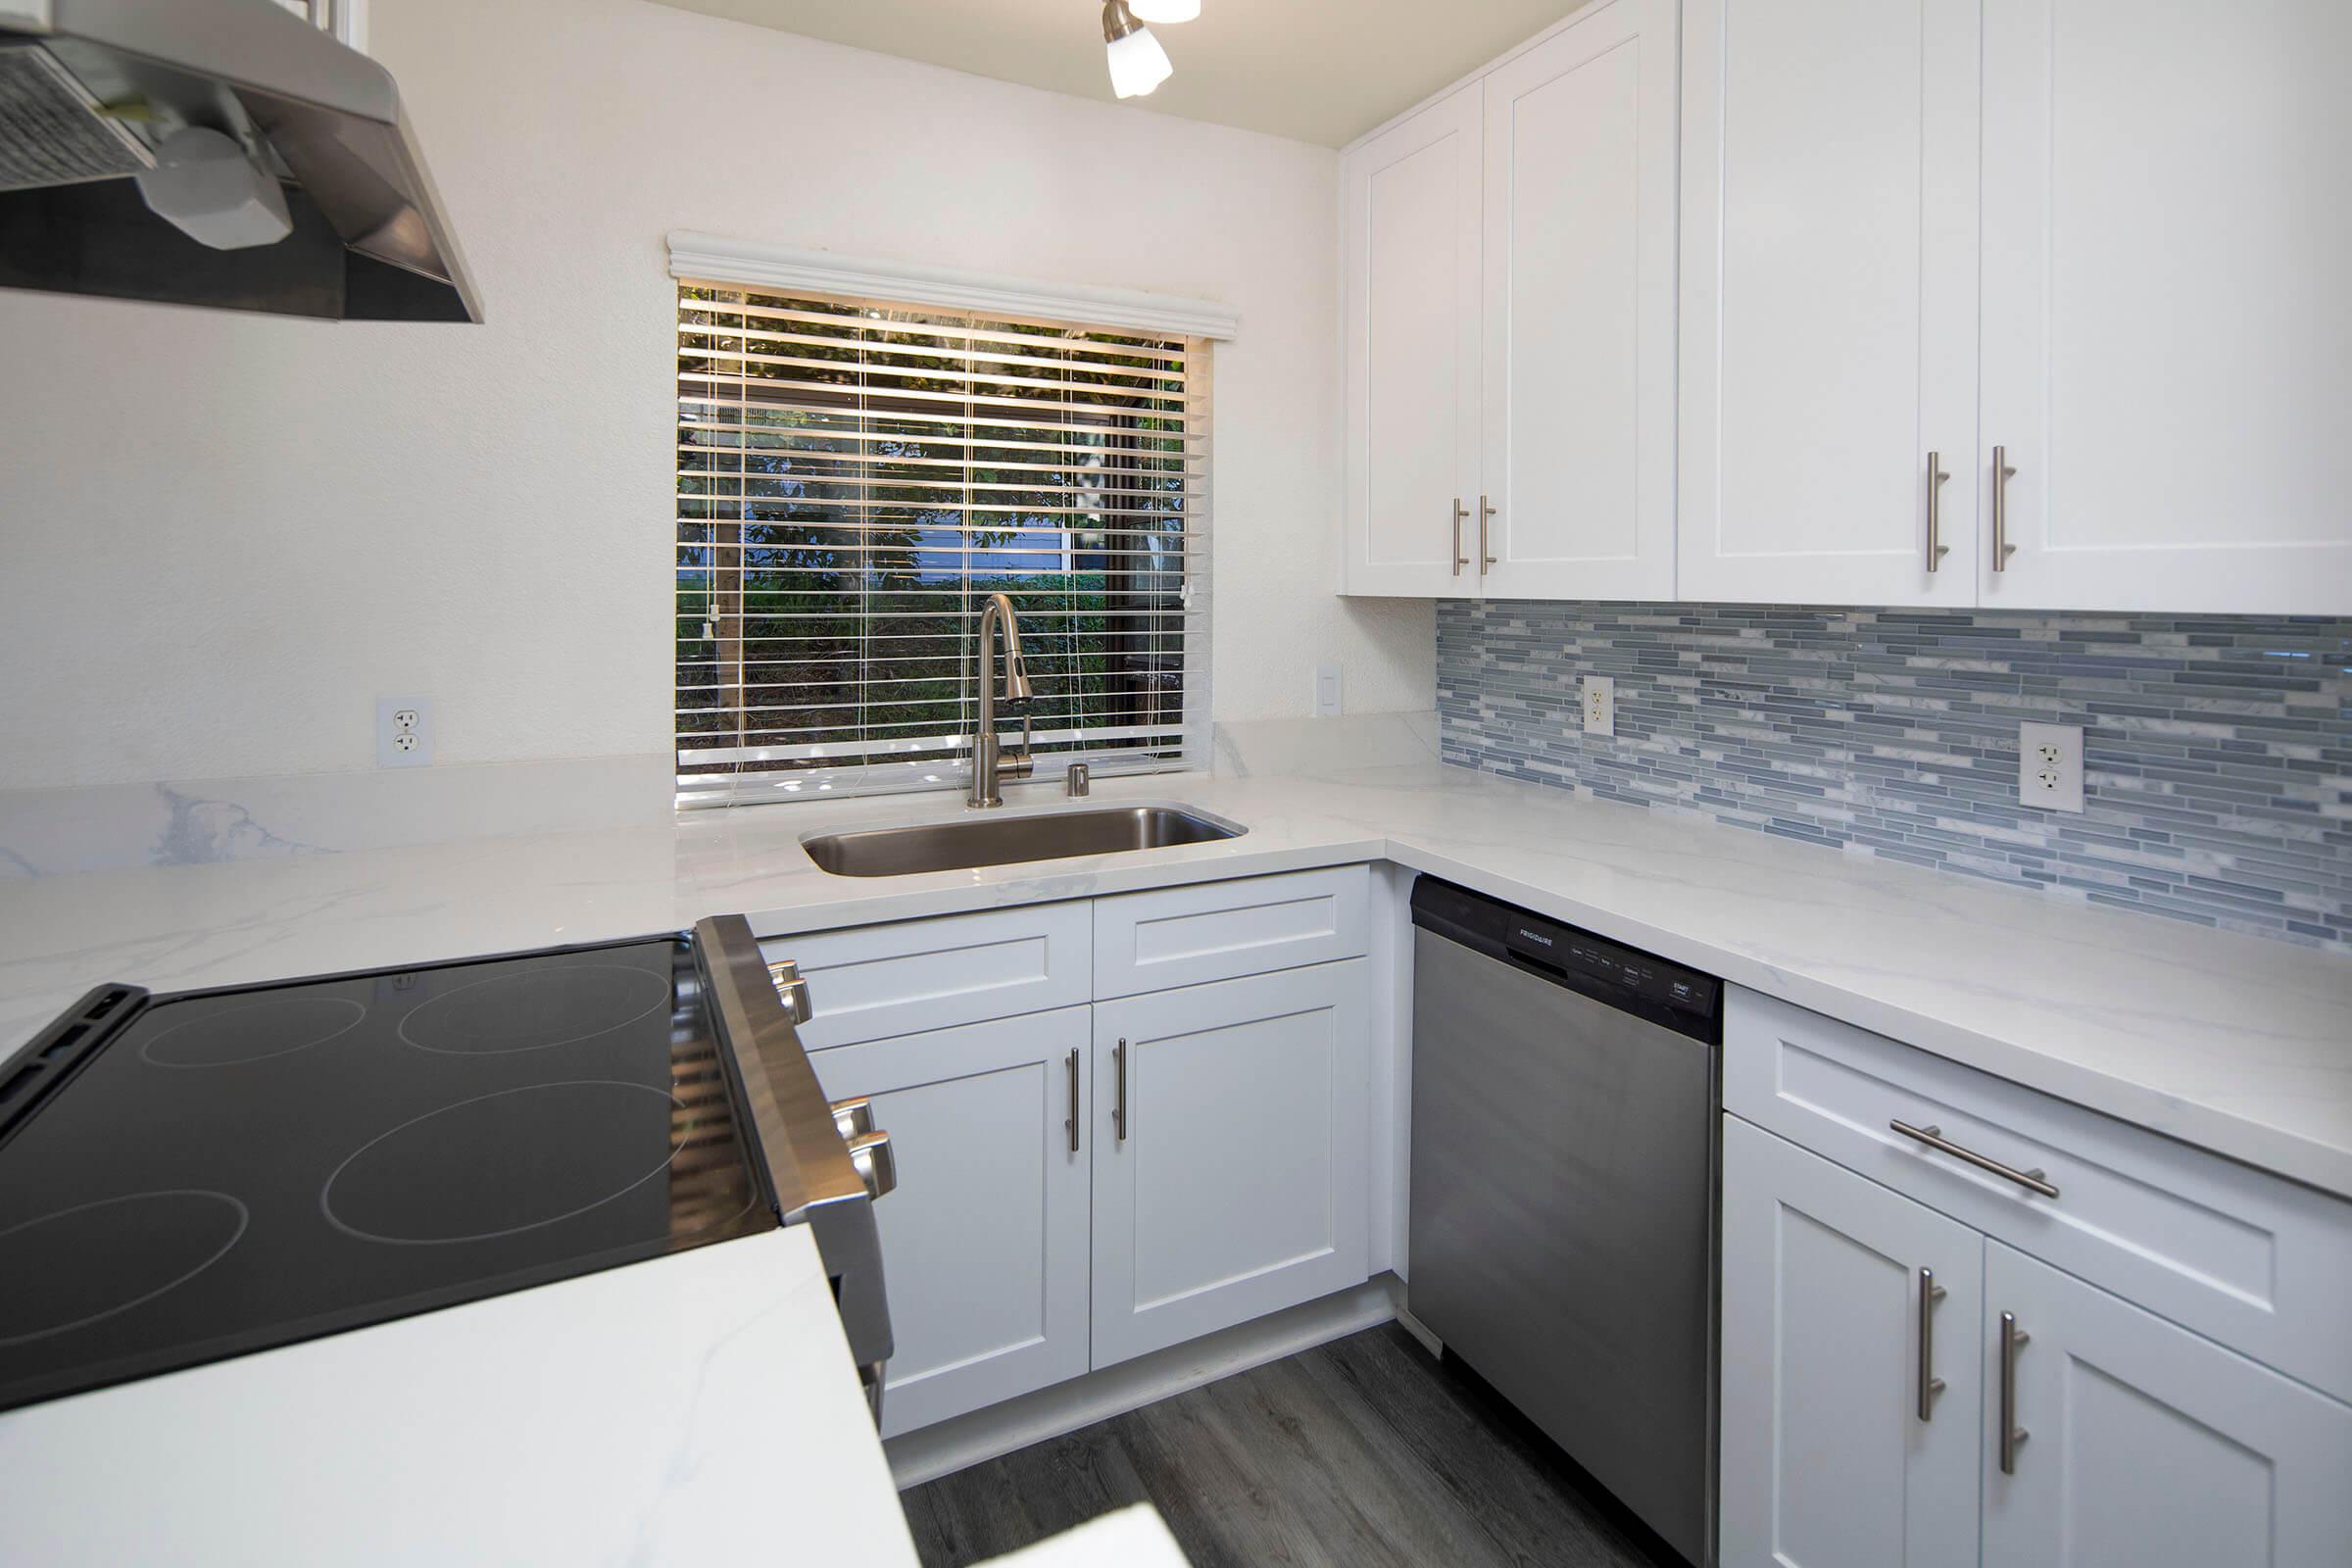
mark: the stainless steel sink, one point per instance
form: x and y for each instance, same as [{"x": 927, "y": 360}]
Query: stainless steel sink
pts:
[{"x": 1010, "y": 840}]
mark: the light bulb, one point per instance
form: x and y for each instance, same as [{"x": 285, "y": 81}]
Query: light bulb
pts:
[
  {"x": 1165, "y": 12},
  {"x": 1138, "y": 63}
]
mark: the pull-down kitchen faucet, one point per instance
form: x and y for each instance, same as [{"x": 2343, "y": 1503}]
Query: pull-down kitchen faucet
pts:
[{"x": 989, "y": 761}]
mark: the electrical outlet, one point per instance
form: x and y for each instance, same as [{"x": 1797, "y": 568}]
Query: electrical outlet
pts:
[
  {"x": 2050, "y": 767},
  {"x": 403, "y": 732},
  {"x": 1600, "y": 705},
  {"x": 1327, "y": 691}
]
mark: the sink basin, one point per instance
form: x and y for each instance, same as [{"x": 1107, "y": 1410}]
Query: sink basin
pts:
[{"x": 1010, "y": 840}]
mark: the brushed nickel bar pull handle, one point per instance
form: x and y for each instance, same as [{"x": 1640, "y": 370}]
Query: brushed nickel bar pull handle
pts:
[
  {"x": 1484, "y": 512},
  {"x": 1930, "y": 1385},
  {"x": 1937, "y": 548},
  {"x": 2002, "y": 474},
  {"x": 1460, "y": 511},
  {"x": 1072, "y": 1121},
  {"x": 1932, "y": 1137},
  {"x": 2013, "y": 1340},
  {"x": 1118, "y": 1071}
]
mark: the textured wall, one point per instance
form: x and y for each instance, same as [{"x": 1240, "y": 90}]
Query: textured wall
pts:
[
  {"x": 2218, "y": 786},
  {"x": 221, "y": 536}
]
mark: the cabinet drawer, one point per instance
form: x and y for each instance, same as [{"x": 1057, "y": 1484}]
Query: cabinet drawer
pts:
[
  {"x": 874, "y": 981},
  {"x": 2261, "y": 1264},
  {"x": 1223, "y": 930}
]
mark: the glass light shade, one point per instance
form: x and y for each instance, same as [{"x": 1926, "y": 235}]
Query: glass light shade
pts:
[
  {"x": 1138, "y": 63},
  {"x": 1165, "y": 10}
]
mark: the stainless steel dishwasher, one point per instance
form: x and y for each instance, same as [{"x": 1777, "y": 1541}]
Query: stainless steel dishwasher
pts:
[{"x": 1564, "y": 1143}]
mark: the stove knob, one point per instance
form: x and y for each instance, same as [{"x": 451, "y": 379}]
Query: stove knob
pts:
[
  {"x": 853, "y": 1118},
  {"x": 792, "y": 988},
  {"x": 876, "y": 1165}
]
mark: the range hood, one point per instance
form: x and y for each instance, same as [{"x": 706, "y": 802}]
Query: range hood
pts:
[{"x": 221, "y": 152}]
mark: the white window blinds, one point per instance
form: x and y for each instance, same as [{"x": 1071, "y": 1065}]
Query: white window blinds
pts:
[{"x": 856, "y": 478}]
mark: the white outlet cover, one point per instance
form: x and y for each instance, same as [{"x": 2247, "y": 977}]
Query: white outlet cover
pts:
[
  {"x": 2050, "y": 767},
  {"x": 1600, "y": 705},
  {"x": 403, "y": 732}
]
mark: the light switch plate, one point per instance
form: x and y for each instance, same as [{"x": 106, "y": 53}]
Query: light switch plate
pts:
[
  {"x": 1327, "y": 691},
  {"x": 2050, "y": 767},
  {"x": 1600, "y": 705}
]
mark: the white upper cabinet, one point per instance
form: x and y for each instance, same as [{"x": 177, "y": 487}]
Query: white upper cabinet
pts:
[
  {"x": 2168, "y": 334},
  {"x": 1413, "y": 378},
  {"x": 1511, "y": 264},
  {"x": 1829, "y": 288},
  {"x": 2024, "y": 304},
  {"x": 1578, "y": 304}
]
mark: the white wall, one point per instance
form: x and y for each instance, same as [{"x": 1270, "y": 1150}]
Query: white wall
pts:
[{"x": 220, "y": 536}]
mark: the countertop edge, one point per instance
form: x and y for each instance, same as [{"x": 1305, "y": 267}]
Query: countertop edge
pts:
[{"x": 2257, "y": 1144}]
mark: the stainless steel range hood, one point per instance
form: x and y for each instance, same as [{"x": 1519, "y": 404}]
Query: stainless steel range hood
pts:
[{"x": 100, "y": 105}]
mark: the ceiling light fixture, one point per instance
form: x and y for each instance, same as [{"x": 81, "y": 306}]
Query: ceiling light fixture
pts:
[
  {"x": 1164, "y": 12},
  {"x": 1138, "y": 63}
]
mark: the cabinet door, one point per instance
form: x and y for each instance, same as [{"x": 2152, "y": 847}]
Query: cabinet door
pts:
[
  {"x": 1411, "y": 246},
  {"x": 1826, "y": 1461},
  {"x": 2145, "y": 1443},
  {"x": 1578, "y": 310},
  {"x": 984, "y": 1243},
  {"x": 1829, "y": 334},
  {"x": 1230, "y": 1172},
  {"x": 2167, "y": 338}
]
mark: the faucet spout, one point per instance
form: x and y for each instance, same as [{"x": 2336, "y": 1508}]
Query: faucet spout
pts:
[
  {"x": 990, "y": 764},
  {"x": 1016, "y": 668}
]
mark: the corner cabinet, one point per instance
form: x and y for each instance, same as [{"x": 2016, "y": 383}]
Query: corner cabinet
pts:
[
  {"x": 1509, "y": 256},
  {"x": 1413, "y": 347},
  {"x": 1900, "y": 1386},
  {"x": 1120, "y": 1123},
  {"x": 2000, "y": 304}
]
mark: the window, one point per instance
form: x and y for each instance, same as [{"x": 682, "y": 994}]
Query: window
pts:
[{"x": 856, "y": 478}]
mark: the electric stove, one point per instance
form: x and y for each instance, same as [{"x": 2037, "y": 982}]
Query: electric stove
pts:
[{"x": 192, "y": 1176}]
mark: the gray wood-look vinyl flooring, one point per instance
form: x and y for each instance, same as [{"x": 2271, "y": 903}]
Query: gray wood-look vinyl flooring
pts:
[{"x": 1359, "y": 1454}]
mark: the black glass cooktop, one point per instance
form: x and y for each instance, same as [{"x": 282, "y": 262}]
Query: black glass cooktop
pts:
[{"x": 228, "y": 1170}]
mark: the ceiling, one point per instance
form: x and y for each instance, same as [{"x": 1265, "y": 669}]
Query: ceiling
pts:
[{"x": 1320, "y": 71}]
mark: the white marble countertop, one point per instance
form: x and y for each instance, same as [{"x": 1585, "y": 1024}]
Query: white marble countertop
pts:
[
  {"x": 685, "y": 1410},
  {"x": 2236, "y": 1045}
]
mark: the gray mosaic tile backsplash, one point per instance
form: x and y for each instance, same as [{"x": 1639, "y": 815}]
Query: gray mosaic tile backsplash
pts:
[{"x": 2219, "y": 747}]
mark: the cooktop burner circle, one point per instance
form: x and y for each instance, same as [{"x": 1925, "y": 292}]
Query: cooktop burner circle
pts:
[
  {"x": 255, "y": 1031},
  {"x": 533, "y": 1009},
  {"x": 84, "y": 1264},
  {"x": 506, "y": 1163}
]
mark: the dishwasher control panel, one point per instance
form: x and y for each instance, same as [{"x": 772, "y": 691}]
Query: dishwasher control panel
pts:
[
  {"x": 1594, "y": 965},
  {"x": 1565, "y": 947}
]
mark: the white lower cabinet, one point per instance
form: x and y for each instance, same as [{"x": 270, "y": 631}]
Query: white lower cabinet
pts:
[
  {"x": 984, "y": 1243},
  {"x": 2144, "y": 1444},
  {"x": 1830, "y": 1321},
  {"x": 2136, "y": 1441},
  {"x": 1230, "y": 1163},
  {"x": 1080, "y": 1185}
]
